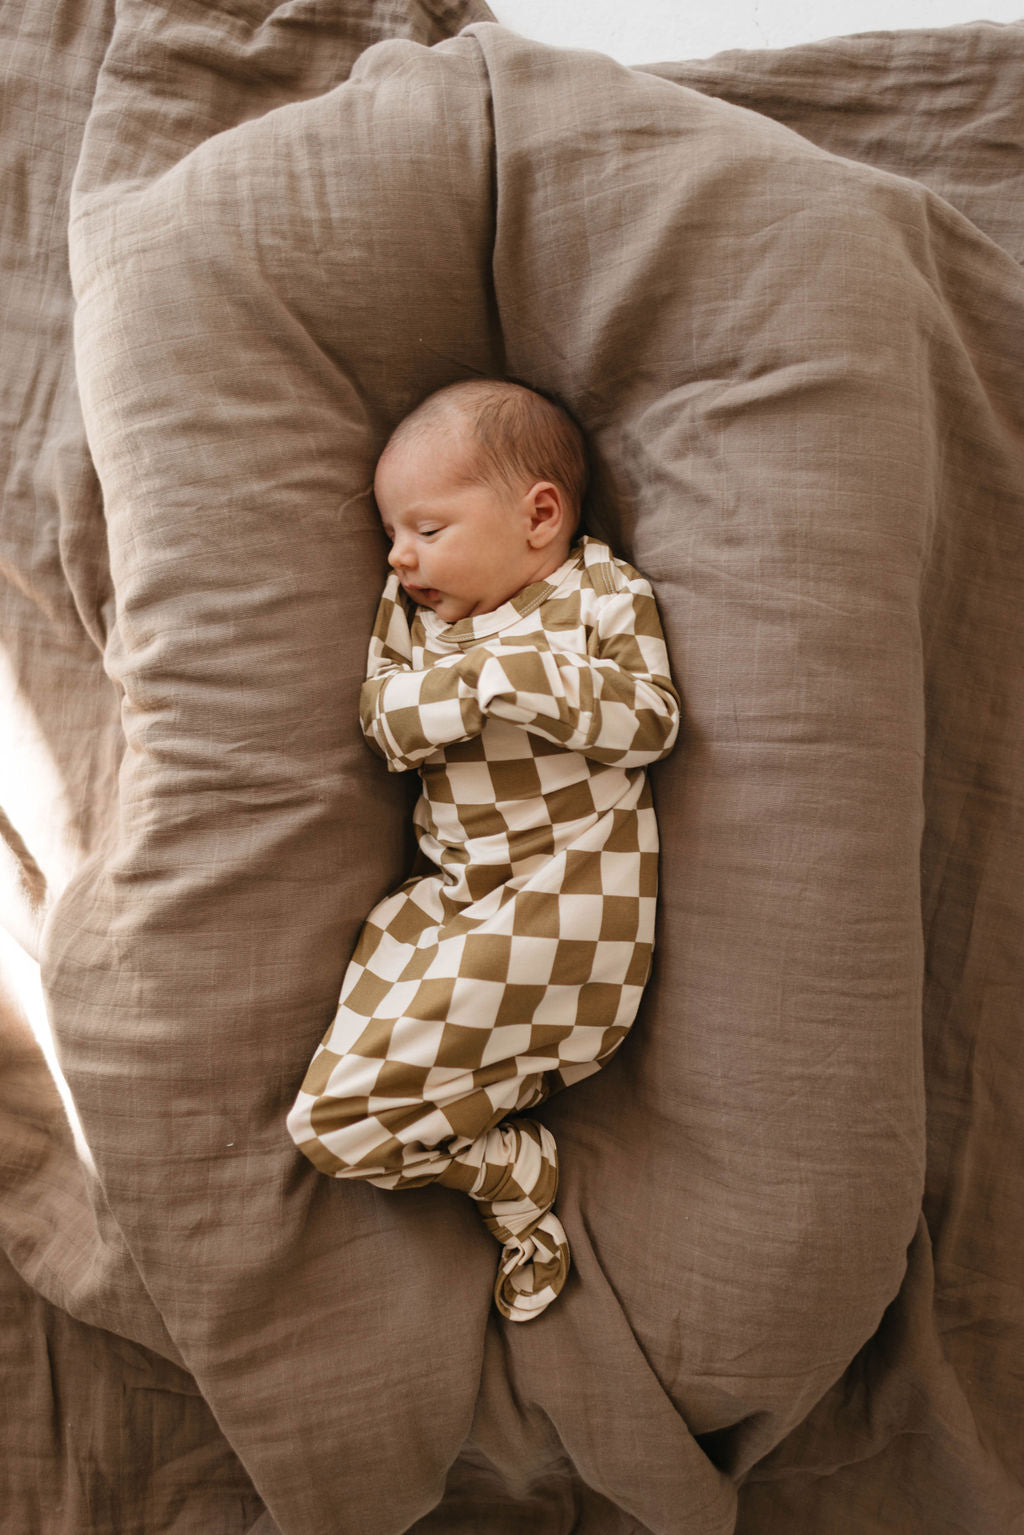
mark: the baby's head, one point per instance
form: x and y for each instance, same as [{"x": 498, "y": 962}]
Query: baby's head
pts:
[{"x": 480, "y": 491}]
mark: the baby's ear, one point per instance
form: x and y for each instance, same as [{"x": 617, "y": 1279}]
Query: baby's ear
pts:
[{"x": 548, "y": 513}]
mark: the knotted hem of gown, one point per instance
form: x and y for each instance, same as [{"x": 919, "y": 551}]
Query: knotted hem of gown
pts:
[
  {"x": 511, "y": 1172},
  {"x": 532, "y": 1270}
]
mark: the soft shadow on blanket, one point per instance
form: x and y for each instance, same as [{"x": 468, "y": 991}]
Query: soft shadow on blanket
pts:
[{"x": 802, "y": 378}]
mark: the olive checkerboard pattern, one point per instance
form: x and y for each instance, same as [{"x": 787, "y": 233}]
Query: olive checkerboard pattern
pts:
[{"x": 515, "y": 965}]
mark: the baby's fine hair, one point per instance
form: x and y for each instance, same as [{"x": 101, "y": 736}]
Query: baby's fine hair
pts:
[{"x": 521, "y": 433}]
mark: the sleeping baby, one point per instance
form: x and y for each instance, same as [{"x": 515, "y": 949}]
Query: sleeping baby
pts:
[{"x": 524, "y": 673}]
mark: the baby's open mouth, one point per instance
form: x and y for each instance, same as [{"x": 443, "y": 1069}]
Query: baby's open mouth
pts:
[{"x": 423, "y": 594}]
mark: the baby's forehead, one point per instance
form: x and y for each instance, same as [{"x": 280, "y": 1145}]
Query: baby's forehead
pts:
[{"x": 449, "y": 445}]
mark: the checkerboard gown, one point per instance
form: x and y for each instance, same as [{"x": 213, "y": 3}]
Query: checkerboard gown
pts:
[{"x": 514, "y": 964}]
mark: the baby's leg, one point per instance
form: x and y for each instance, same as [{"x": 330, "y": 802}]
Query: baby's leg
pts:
[
  {"x": 400, "y": 1126},
  {"x": 438, "y": 1042}
]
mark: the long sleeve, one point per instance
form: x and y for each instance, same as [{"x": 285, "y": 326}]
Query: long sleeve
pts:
[
  {"x": 618, "y": 706},
  {"x": 406, "y": 715}
]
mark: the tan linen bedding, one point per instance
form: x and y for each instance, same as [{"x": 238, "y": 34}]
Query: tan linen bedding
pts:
[{"x": 796, "y": 1295}]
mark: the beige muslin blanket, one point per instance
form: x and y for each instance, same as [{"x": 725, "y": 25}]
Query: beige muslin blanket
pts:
[{"x": 799, "y": 355}]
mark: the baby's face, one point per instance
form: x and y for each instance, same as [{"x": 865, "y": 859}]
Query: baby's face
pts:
[{"x": 459, "y": 548}]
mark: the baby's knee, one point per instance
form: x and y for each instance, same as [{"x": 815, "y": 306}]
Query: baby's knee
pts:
[
  {"x": 398, "y": 1144},
  {"x": 329, "y": 1131}
]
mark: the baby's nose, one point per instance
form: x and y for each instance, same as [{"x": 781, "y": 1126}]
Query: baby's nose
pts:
[{"x": 398, "y": 555}]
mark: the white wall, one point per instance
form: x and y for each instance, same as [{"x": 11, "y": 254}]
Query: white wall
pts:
[{"x": 644, "y": 31}]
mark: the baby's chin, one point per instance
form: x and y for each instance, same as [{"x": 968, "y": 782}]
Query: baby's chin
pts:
[{"x": 452, "y": 609}]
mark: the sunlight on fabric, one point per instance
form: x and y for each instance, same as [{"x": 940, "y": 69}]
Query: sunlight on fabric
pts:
[
  {"x": 21, "y": 974},
  {"x": 32, "y": 791},
  {"x": 31, "y": 799}
]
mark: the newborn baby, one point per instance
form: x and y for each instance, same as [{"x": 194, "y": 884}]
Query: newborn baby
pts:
[{"x": 525, "y": 675}]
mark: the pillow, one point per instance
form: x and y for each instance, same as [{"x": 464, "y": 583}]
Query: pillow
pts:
[{"x": 249, "y": 325}]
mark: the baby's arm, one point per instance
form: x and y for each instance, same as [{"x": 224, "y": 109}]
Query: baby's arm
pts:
[
  {"x": 408, "y": 715},
  {"x": 618, "y": 706}
]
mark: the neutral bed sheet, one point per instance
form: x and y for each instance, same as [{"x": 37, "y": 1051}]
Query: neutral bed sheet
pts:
[{"x": 783, "y": 293}]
